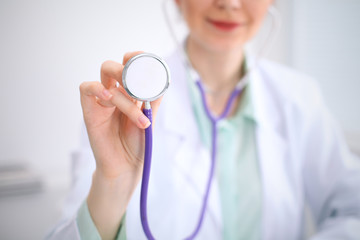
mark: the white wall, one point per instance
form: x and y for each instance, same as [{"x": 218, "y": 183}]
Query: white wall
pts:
[
  {"x": 325, "y": 38},
  {"x": 48, "y": 47}
]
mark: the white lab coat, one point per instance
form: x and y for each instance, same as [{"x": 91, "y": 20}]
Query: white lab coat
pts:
[{"x": 302, "y": 155}]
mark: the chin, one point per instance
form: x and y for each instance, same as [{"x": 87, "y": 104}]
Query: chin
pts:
[
  {"x": 221, "y": 45},
  {"x": 216, "y": 43}
]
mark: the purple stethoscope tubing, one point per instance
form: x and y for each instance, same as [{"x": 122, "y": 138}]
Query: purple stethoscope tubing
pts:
[
  {"x": 146, "y": 175},
  {"x": 148, "y": 153}
]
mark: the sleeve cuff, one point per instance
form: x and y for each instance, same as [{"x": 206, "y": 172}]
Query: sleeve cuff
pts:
[
  {"x": 86, "y": 226},
  {"x": 122, "y": 229}
]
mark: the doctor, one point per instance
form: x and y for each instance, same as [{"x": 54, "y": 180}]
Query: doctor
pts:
[{"x": 278, "y": 149}]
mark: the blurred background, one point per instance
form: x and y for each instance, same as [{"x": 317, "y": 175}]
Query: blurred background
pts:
[{"x": 48, "y": 47}]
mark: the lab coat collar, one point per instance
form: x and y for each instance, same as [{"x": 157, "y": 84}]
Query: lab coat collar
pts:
[{"x": 266, "y": 111}]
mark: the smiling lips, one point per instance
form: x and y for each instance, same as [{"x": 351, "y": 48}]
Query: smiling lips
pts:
[{"x": 224, "y": 25}]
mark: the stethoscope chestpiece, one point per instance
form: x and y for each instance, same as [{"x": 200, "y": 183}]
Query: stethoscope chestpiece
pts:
[{"x": 146, "y": 77}]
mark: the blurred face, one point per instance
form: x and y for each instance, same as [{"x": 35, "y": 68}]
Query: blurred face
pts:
[{"x": 223, "y": 25}]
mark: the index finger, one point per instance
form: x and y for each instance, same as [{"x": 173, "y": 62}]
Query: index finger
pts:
[{"x": 111, "y": 71}]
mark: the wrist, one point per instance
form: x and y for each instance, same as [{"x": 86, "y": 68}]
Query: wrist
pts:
[
  {"x": 115, "y": 177},
  {"x": 107, "y": 201},
  {"x": 117, "y": 187}
]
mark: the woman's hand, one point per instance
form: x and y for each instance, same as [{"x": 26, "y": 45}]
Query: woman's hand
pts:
[
  {"x": 115, "y": 122},
  {"x": 115, "y": 125}
]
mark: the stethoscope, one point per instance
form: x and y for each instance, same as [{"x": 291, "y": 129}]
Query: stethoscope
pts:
[
  {"x": 142, "y": 89},
  {"x": 135, "y": 78},
  {"x": 146, "y": 77}
]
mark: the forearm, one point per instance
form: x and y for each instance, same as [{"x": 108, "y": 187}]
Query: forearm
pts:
[{"x": 107, "y": 202}]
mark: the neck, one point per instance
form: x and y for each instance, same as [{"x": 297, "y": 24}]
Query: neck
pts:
[{"x": 219, "y": 71}]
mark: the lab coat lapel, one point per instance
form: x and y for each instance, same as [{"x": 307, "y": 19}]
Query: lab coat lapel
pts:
[
  {"x": 278, "y": 201},
  {"x": 192, "y": 159}
]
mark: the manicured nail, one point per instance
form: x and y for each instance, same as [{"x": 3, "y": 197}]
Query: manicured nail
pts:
[
  {"x": 144, "y": 121},
  {"x": 106, "y": 94}
]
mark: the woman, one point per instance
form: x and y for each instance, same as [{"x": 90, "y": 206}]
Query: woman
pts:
[{"x": 278, "y": 149}]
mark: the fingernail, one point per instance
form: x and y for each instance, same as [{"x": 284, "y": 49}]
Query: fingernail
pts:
[
  {"x": 144, "y": 121},
  {"x": 106, "y": 93}
]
